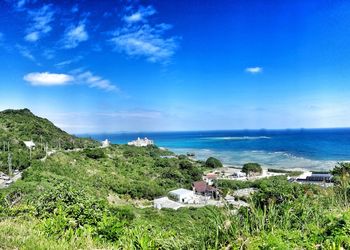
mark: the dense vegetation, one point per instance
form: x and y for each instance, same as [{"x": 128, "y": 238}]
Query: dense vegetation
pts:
[
  {"x": 21, "y": 125},
  {"x": 212, "y": 162},
  {"x": 56, "y": 207},
  {"x": 251, "y": 168},
  {"x": 100, "y": 198}
]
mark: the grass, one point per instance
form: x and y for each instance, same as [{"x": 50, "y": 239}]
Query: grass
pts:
[{"x": 65, "y": 200}]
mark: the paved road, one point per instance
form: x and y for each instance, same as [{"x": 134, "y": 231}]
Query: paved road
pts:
[{"x": 14, "y": 179}]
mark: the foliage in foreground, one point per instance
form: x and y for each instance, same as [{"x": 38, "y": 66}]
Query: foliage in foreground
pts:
[{"x": 65, "y": 199}]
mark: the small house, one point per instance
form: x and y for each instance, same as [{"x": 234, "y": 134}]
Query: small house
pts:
[
  {"x": 105, "y": 143},
  {"x": 210, "y": 178},
  {"x": 182, "y": 195},
  {"x": 202, "y": 188},
  {"x": 29, "y": 144},
  {"x": 165, "y": 202}
]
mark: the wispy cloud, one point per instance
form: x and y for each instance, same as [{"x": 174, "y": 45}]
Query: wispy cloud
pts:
[
  {"x": 41, "y": 20},
  {"x": 148, "y": 114},
  {"x": 143, "y": 39},
  {"x": 49, "y": 54},
  {"x": 75, "y": 8},
  {"x": 32, "y": 37},
  {"x": 25, "y": 52},
  {"x": 68, "y": 62},
  {"x": 21, "y": 4},
  {"x": 76, "y": 77},
  {"x": 254, "y": 70},
  {"x": 94, "y": 81},
  {"x": 140, "y": 15},
  {"x": 47, "y": 79},
  {"x": 75, "y": 35}
]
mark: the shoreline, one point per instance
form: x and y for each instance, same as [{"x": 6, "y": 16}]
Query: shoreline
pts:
[
  {"x": 294, "y": 163},
  {"x": 277, "y": 160}
]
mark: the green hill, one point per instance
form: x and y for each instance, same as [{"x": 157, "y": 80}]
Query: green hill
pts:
[{"x": 23, "y": 125}]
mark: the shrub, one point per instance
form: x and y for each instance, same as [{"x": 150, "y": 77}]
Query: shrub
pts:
[
  {"x": 341, "y": 172},
  {"x": 249, "y": 168},
  {"x": 213, "y": 163},
  {"x": 94, "y": 153}
]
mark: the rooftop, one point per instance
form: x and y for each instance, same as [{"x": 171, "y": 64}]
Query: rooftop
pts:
[
  {"x": 181, "y": 191},
  {"x": 29, "y": 144},
  {"x": 202, "y": 186}
]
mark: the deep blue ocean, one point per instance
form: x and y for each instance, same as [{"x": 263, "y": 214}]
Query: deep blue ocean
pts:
[{"x": 316, "y": 149}]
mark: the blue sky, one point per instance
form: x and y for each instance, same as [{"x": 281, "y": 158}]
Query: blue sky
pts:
[{"x": 107, "y": 66}]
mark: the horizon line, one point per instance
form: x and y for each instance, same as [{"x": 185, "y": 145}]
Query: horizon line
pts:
[{"x": 211, "y": 130}]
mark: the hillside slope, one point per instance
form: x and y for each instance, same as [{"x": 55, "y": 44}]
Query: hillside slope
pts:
[
  {"x": 23, "y": 125},
  {"x": 17, "y": 126}
]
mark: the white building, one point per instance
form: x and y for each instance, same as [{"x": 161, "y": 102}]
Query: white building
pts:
[
  {"x": 165, "y": 202},
  {"x": 141, "y": 142},
  {"x": 182, "y": 195},
  {"x": 106, "y": 143},
  {"x": 210, "y": 178},
  {"x": 29, "y": 144}
]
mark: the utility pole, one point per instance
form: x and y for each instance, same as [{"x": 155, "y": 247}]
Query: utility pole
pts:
[{"x": 9, "y": 161}]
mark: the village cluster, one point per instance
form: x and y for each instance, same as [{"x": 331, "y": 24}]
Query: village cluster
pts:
[
  {"x": 206, "y": 192},
  {"x": 203, "y": 193}
]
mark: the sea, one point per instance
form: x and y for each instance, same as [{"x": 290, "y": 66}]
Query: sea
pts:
[{"x": 308, "y": 149}]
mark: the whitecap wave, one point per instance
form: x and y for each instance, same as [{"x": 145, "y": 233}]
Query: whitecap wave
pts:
[{"x": 281, "y": 160}]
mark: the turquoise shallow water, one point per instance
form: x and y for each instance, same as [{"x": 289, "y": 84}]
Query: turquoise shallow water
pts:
[{"x": 305, "y": 148}]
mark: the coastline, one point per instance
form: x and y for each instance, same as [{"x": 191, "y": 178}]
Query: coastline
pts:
[
  {"x": 315, "y": 150},
  {"x": 267, "y": 160}
]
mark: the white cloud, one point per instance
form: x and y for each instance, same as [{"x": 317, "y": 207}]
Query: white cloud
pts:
[
  {"x": 41, "y": 20},
  {"x": 75, "y": 35},
  {"x": 75, "y": 77},
  {"x": 254, "y": 70},
  {"x": 47, "y": 79},
  {"x": 138, "y": 37},
  {"x": 32, "y": 37},
  {"x": 140, "y": 15},
  {"x": 146, "y": 41},
  {"x": 93, "y": 81}
]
